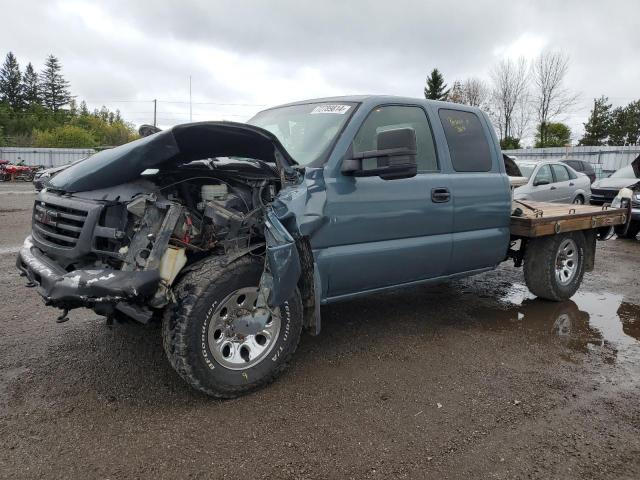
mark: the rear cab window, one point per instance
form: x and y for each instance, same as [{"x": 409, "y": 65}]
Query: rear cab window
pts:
[{"x": 468, "y": 144}]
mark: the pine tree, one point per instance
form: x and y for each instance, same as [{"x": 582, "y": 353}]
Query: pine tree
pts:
[
  {"x": 30, "y": 87},
  {"x": 84, "y": 111},
  {"x": 11, "y": 88},
  {"x": 436, "y": 89},
  {"x": 596, "y": 130},
  {"x": 54, "y": 89}
]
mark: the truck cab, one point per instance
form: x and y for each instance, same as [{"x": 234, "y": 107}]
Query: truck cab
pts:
[{"x": 448, "y": 218}]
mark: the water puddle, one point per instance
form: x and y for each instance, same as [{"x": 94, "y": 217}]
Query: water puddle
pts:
[{"x": 602, "y": 323}]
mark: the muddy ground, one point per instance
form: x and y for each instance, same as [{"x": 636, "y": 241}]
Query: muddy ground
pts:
[{"x": 473, "y": 379}]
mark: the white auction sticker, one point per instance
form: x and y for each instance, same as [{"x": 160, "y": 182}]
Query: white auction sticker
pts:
[{"x": 339, "y": 109}]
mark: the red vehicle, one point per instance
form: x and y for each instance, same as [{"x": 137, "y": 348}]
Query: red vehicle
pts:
[{"x": 22, "y": 173}]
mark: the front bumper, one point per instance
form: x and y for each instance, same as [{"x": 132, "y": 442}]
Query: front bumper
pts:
[
  {"x": 600, "y": 196},
  {"x": 97, "y": 289}
]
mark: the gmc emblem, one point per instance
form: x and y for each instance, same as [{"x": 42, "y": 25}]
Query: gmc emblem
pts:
[{"x": 48, "y": 217}]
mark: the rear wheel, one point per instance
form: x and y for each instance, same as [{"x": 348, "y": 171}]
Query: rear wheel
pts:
[
  {"x": 554, "y": 265},
  {"x": 215, "y": 337}
]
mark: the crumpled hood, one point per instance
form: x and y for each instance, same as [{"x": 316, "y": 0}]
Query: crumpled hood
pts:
[
  {"x": 176, "y": 146},
  {"x": 613, "y": 183}
]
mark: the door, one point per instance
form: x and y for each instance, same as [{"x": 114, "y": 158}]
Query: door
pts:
[
  {"x": 563, "y": 182},
  {"x": 386, "y": 232},
  {"x": 480, "y": 192},
  {"x": 542, "y": 186}
]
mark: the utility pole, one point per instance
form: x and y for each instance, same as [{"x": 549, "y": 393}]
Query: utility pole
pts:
[
  {"x": 155, "y": 108},
  {"x": 190, "y": 103}
]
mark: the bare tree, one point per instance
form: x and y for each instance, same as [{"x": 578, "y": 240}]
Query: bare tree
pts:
[
  {"x": 550, "y": 98},
  {"x": 457, "y": 93},
  {"x": 510, "y": 84},
  {"x": 522, "y": 117},
  {"x": 475, "y": 92}
]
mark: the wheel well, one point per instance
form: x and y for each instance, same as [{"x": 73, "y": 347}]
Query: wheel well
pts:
[{"x": 306, "y": 284}]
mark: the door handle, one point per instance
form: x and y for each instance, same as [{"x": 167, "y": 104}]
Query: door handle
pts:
[
  {"x": 552, "y": 188},
  {"x": 440, "y": 195},
  {"x": 571, "y": 184}
]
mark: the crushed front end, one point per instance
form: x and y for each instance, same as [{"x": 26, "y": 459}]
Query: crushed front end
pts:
[{"x": 115, "y": 238}]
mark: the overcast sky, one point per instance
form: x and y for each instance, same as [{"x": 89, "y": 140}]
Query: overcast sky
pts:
[{"x": 243, "y": 55}]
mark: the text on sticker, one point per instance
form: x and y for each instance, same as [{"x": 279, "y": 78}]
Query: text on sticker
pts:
[{"x": 339, "y": 109}]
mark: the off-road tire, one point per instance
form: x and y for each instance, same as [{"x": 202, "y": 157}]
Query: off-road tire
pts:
[
  {"x": 185, "y": 326},
  {"x": 539, "y": 266}
]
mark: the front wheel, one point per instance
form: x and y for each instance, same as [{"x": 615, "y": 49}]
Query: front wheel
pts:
[
  {"x": 213, "y": 334},
  {"x": 579, "y": 200},
  {"x": 554, "y": 265}
]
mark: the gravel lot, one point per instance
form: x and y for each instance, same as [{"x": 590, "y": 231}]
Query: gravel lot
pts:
[{"x": 473, "y": 379}]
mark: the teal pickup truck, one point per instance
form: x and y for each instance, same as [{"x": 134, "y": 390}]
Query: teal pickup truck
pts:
[{"x": 234, "y": 234}]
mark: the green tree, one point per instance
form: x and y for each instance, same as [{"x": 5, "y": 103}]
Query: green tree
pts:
[
  {"x": 67, "y": 136},
  {"x": 625, "y": 125},
  {"x": 84, "y": 111},
  {"x": 107, "y": 127},
  {"x": 54, "y": 89},
  {"x": 41, "y": 119},
  {"x": 30, "y": 87},
  {"x": 11, "y": 89},
  {"x": 436, "y": 89},
  {"x": 556, "y": 135},
  {"x": 510, "y": 143},
  {"x": 596, "y": 129}
]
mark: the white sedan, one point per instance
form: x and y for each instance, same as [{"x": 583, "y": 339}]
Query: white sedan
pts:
[{"x": 550, "y": 181}]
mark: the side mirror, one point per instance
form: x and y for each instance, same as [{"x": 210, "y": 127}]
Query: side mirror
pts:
[
  {"x": 537, "y": 183},
  {"x": 394, "y": 158}
]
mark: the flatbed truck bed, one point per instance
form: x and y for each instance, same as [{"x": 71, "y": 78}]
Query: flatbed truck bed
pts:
[{"x": 538, "y": 219}]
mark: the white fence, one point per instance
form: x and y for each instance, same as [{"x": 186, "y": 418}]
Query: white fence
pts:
[
  {"x": 604, "y": 159},
  {"x": 48, "y": 157}
]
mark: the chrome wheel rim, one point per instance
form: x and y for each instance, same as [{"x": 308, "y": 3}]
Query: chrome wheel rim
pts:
[
  {"x": 237, "y": 351},
  {"x": 566, "y": 261}
]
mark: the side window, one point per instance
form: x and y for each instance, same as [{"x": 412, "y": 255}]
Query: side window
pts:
[
  {"x": 468, "y": 145},
  {"x": 544, "y": 174},
  {"x": 561, "y": 173},
  {"x": 572, "y": 164},
  {"x": 394, "y": 116}
]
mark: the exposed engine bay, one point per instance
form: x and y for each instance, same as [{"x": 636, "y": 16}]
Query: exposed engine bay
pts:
[{"x": 121, "y": 246}]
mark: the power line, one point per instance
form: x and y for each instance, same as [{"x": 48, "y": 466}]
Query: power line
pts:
[{"x": 180, "y": 102}]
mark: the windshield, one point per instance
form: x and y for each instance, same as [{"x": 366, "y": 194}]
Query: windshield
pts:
[
  {"x": 526, "y": 168},
  {"x": 306, "y": 131},
  {"x": 625, "y": 172}
]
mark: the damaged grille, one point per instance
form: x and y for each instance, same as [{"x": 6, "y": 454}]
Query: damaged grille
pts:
[
  {"x": 57, "y": 224},
  {"x": 602, "y": 195}
]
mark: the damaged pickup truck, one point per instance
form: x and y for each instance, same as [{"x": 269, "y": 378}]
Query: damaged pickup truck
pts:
[{"x": 235, "y": 234}]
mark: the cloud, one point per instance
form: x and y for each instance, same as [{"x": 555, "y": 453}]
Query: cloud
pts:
[{"x": 124, "y": 53}]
